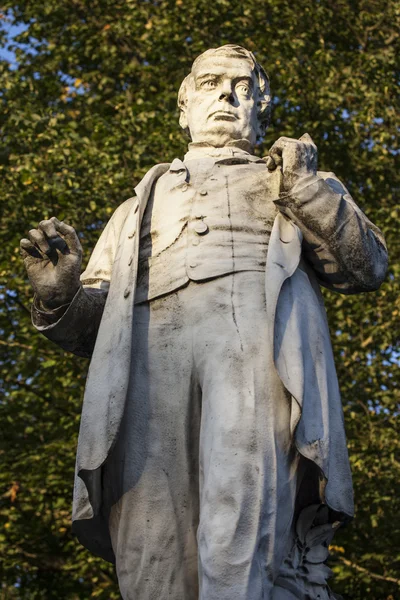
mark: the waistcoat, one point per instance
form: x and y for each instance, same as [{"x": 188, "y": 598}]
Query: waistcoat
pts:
[{"x": 205, "y": 218}]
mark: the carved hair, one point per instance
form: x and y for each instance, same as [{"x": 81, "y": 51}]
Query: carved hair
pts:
[{"x": 262, "y": 93}]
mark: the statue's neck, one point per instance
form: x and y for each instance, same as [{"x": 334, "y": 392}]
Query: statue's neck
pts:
[{"x": 241, "y": 144}]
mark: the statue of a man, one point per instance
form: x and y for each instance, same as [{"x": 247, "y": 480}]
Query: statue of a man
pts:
[{"x": 212, "y": 417}]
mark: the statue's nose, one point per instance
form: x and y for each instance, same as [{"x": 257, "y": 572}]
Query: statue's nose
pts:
[{"x": 227, "y": 94}]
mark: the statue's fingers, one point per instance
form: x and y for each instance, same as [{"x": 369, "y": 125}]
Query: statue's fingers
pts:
[
  {"x": 271, "y": 164},
  {"x": 38, "y": 238},
  {"x": 277, "y": 149},
  {"x": 276, "y": 154},
  {"x": 307, "y": 139},
  {"x": 69, "y": 234},
  {"x": 54, "y": 239},
  {"x": 28, "y": 249},
  {"x": 282, "y": 142}
]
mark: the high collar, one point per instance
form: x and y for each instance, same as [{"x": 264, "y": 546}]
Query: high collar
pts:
[{"x": 236, "y": 148}]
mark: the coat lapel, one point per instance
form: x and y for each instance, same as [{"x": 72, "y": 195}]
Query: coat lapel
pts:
[
  {"x": 284, "y": 252},
  {"x": 143, "y": 189}
]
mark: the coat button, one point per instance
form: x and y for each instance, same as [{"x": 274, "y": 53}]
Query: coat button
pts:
[
  {"x": 203, "y": 192},
  {"x": 127, "y": 292},
  {"x": 131, "y": 235},
  {"x": 130, "y": 261},
  {"x": 201, "y": 228},
  {"x": 184, "y": 187}
]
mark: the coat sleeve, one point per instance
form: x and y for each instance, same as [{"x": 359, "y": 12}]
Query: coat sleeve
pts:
[
  {"x": 74, "y": 326},
  {"x": 346, "y": 250}
]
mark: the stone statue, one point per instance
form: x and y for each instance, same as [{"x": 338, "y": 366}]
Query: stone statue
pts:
[{"x": 212, "y": 460}]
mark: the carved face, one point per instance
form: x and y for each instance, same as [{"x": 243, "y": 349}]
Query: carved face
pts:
[{"x": 221, "y": 103}]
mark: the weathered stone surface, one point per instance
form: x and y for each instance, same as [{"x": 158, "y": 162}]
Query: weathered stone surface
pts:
[{"x": 212, "y": 460}]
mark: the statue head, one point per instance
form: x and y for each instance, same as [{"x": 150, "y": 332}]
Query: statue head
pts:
[{"x": 225, "y": 97}]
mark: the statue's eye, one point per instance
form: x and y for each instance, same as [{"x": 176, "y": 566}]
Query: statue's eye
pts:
[
  {"x": 243, "y": 89},
  {"x": 209, "y": 84}
]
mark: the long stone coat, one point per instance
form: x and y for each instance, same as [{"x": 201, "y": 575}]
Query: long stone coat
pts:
[{"x": 319, "y": 237}]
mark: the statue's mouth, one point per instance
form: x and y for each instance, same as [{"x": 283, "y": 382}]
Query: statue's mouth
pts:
[{"x": 223, "y": 115}]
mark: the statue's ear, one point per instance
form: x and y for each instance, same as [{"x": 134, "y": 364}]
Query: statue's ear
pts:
[
  {"x": 182, "y": 102},
  {"x": 264, "y": 110}
]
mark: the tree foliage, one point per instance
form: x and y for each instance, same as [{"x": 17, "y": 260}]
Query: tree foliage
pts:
[{"x": 88, "y": 107}]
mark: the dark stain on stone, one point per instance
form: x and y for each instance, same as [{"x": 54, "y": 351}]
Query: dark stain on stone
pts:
[{"x": 233, "y": 262}]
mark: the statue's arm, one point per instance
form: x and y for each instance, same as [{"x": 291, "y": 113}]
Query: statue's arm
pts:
[
  {"x": 74, "y": 326},
  {"x": 346, "y": 250}
]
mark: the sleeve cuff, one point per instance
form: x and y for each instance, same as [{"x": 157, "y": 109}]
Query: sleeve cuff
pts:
[
  {"x": 302, "y": 191},
  {"x": 43, "y": 317}
]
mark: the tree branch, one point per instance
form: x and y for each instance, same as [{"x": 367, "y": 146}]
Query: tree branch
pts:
[
  {"x": 360, "y": 569},
  {"x": 24, "y": 346}
]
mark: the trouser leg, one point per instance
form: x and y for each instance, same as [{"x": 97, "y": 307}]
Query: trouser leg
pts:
[
  {"x": 154, "y": 467},
  {"x": 247, "y": 462}
]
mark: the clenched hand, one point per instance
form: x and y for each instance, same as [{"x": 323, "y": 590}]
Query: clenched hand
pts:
[
  {"x": 298, "y": 158},
  {"x": 53, "y": 257}
]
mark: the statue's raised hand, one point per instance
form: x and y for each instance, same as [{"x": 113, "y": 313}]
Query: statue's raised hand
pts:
[
  {"x": 53, "y": 257},
  {"x": 298, "y": 158}
]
